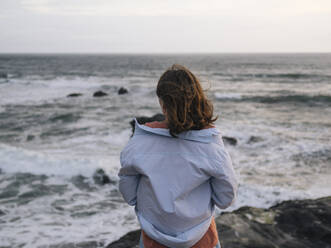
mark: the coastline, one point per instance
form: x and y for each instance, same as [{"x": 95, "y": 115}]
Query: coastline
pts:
[
  {"x": 290, "y": 224},
  {"x": 273, "y": 116}
]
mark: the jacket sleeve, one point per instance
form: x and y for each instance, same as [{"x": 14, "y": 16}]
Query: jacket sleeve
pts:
[
  {"x": 223, "y": 182},
  {"x": 129, "y": 178}
]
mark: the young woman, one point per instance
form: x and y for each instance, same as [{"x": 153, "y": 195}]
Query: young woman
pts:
[{"x": 174, "y": 172}]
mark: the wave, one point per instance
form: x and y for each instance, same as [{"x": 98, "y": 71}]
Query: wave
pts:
[
  {"x": 291, "y": 98},
  {"x": 292, "y": 76},
  {"x": 226, "y": 96},
  {"x": 306, "y": 99},
  {"x": 16, "y": 159}
]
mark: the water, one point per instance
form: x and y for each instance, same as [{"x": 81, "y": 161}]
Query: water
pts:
[{"x": 276, "y": 106}]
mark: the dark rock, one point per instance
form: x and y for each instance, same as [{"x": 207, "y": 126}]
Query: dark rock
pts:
[
  {"x": 99, "y": 94},
  {"x": 82, "y": 182},
  {"x": 30, "y": 137},
  {"x": 101, "y": 178},
  {"x": 291, "y": 224},
  {"x": 122, "y": 91},
  {"x": 2, "y": 212},
  {"x": 305, "y": 223},
  {"x": 74, "y": 95},
  {"x": 254, "y": 139},
  {"x": 3, "y": 75},
  {"x": 130, "y": 240},
  {"x": 230, "y": 140},
  {"x": 144, "y": 119}
]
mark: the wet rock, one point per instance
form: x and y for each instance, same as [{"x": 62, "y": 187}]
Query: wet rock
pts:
[
  {"x": 230, "y": 140},
  {"x": 99, "y": 94},
  {"x": 101, "y": 178},
  {"x": 122, "y": 91},
  {"x": 145, "y": 119},
  {"x": 2, "y": 212},
  {"x": 3, "y": 75},
  {"x": 291, "y": 224},
  {"x": 30, "y": 137},
  {"x": 74, "y": 95},
  {"x": 130, "y": 240},
  {"x": 254, "y": 139},
  {"x": 82, "y": 182}
]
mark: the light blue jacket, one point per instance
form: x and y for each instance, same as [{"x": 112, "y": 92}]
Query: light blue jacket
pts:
[{"x": 174, "y": 183}]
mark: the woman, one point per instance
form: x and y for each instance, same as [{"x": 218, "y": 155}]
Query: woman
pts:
[{"x": 174, "y": 172}]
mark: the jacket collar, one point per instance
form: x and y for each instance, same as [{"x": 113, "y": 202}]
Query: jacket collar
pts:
[{"x": 205, "y": 135}]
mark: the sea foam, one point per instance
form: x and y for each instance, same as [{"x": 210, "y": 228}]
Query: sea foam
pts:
[
  {"x": 221, "y": 96},
  {"x": 16, "y": 159}
]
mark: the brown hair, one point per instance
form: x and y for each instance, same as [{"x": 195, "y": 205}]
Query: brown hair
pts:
[{"x": 187, "y": 108}]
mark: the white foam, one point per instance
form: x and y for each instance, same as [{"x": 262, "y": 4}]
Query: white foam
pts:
[
  {"x": 16, "y": 159},
  {"x": 265, "y": 196},
  {"x": 41, "y": 225},
  {"x": 35, "y": 90},
  {"x": 225, "y": 96},
  {"x": 119, "y": 139}
]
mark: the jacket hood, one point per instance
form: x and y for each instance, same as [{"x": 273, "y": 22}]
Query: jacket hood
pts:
[{"x": 205, "y": 135}]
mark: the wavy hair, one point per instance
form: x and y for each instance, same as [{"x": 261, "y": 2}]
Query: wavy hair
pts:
[{"x": 186, "y": 105}]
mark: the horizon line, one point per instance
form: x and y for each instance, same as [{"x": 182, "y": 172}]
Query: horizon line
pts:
[{"x": 151, "y": 53}]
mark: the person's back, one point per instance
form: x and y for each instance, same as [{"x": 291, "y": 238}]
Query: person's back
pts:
[{"x": 176, "y": 173}]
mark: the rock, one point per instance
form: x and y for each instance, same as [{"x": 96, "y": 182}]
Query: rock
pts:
[
  {"x": 99, "y": 94},
  {"x": 100, "y": 177},
  {"x": 290, "y": 224},
  {"x": 74, "y": 95},
  {"x": 82, "y": 182},
  {"x": 2, "y": 212},
  {"x": 130, "y": 240},
  {"x": 122, "y": 91},
  {"x": 305, "y": 223},
  {"x": 144, "y": 119},
  {"x": 254, "y": 139},
  {"x": 30, "y": 137},
  {"x": 3, "y": 75},
  {"x": 230, "y": 140}
]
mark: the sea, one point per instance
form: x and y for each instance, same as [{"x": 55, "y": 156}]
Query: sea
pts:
[{"x": 276, "y": 106}]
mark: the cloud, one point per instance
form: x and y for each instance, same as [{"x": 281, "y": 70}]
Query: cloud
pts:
[
  {"x": 178, "y": 8},
  {"x": 114, "y": 7},
  {"x": 165, "y": 26}
]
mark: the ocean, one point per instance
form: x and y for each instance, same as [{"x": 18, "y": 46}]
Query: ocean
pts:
[{"x": 277, "y": 107}]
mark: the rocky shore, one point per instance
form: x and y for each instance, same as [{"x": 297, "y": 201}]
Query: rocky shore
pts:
[{"x": 290, "y": 224}]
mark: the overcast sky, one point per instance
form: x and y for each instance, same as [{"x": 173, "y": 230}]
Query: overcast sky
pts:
[{"x": 164, "y": 26}]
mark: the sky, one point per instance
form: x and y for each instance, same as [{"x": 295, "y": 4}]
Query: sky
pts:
[{"x": 165, "y": 26}]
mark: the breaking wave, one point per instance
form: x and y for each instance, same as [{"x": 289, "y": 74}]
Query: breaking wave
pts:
[{"x": 305, "y": 99}]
